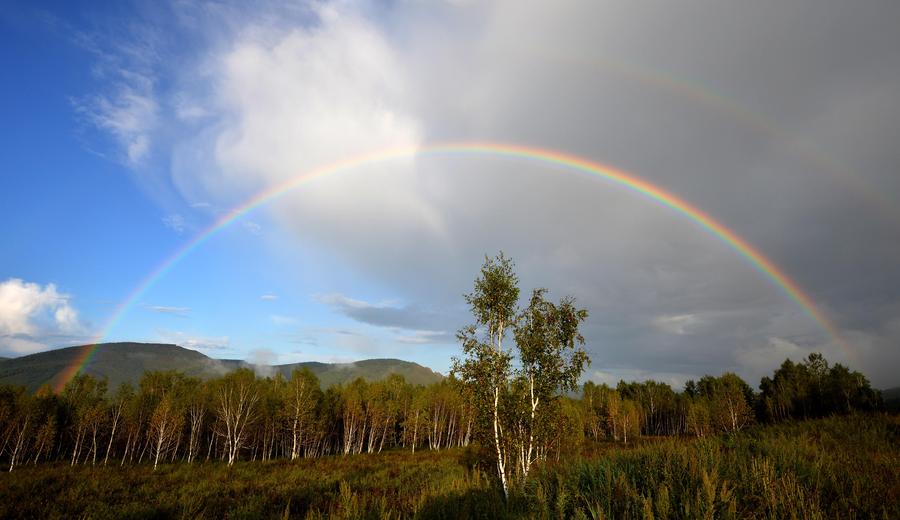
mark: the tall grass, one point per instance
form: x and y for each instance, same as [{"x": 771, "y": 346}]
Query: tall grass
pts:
[
  {"x": 831, "y": 468},
  {"x": 846, "y": 467}
]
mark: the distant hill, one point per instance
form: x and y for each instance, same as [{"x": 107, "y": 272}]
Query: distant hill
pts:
[
  {"x": 369, "y": 369},
  {"x": 891, "y": 397},
  {"x": 126, "y": 362}
]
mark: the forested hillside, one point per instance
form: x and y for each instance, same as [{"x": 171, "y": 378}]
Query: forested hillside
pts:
[{"x": 127, "y": 362}]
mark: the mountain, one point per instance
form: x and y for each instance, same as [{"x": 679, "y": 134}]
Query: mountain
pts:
[{"x": 126, "y": 362}]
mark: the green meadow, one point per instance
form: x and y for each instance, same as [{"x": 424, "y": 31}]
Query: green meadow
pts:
[{"x": 838, "y": 467}]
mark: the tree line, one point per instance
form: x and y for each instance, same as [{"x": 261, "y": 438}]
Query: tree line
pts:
[
  {"x": 173, "y": 418},
  {"x": 513, "y": 393},
  {"x": 170, "y": 417},
  {"x": 725, "y": 404}
]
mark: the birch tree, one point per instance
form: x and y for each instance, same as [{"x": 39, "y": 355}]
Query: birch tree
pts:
[
  {"x": 84, "y": 396},
  {"x": 19, "y": 429},
  {"x": 165, "y": 427},
  {"x": 123, "y": 397},
  {"x": 551, "y": 360},
  {"x": 486, "y": 365},
  {"x": 198, "y": 403},
  {"x": 302, "y": 397},
  {"x": 236, "y": 398}
]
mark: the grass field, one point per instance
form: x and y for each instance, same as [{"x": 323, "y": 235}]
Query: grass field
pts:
[{"x": 842, "y": 467}]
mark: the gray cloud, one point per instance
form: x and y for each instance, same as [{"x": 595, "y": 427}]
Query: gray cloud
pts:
[
  {"x": 409, "y": 323},
  {"x": 423, "y": 337},
  {"x": 383, "y": 314},
  {"x": 779, "y": 120}
]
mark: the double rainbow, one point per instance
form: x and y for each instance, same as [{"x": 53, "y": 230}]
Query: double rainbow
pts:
[{"x": 540, "y": 155}]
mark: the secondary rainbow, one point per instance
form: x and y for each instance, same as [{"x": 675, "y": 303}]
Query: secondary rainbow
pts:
[
  {"x": 720, "y": 104},
  {"x": 541, "y": 155}
]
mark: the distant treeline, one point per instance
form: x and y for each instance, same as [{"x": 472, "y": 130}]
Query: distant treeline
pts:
[
  {"x": 726, "y": 404},
  {"x": 240, "y": 416}
]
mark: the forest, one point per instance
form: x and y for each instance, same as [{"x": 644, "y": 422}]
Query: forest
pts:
[
  {"x": 510, "y": 430},
  {"x": 170, "y": 418}
]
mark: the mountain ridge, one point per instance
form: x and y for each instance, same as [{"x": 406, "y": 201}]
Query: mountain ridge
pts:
[{"x": 126, "y": 362}]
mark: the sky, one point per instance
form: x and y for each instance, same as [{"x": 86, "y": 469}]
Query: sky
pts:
[{"x": 130, "y": 129}]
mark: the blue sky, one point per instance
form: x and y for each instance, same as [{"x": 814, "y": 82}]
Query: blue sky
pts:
[
  {"x": 80, "y": 220},
  {"x": 129, "y": 128}
]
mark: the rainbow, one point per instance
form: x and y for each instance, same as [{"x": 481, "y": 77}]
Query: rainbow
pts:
[
  {"x": 701, "y": 95},
  {"x": 540, "y": 155}
]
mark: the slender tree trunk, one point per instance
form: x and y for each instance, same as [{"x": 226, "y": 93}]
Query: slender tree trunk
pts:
[
  {"x": 415, "y": 431},
  {"x": 94, "y": 446},
  {"x": 112, "y": 435},
  {"x": 500, "y": 462},
  {"x": 17, "y": 446}
]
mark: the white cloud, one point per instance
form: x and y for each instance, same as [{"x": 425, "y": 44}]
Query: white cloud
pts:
[
  {"x": 205, "y": 344},
  {"x": 167, "y": 309},
  {"x": 190, "y": 110},
  {"x": 288, "y": 100},
  {"x": 310, "y": 96},
  {"x": 252, "y": 227},
  {"x": 269, "y": 297},
  {"x": 31, "y": 315},
  {"x": 679, "y": 324},
  {"x": 21, "y": 346},
  {"x": 303, "y": 357},
  {"x": 280, "y": 320},
  {"x": 126, "y": 113},
  {"x": 175, "y": 222},
  {"x": 127, "y": 107},
  {"x": 423, "y": 337}
]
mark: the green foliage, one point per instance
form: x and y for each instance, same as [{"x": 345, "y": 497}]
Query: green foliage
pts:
[
  {"x": 812, "y": 389},
  {"x": 518, "y": 411},
  {"x": 548, "y": 342}
]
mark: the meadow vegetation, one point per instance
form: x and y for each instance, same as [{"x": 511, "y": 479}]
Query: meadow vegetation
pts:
[{"x": 837, "y": 467}]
